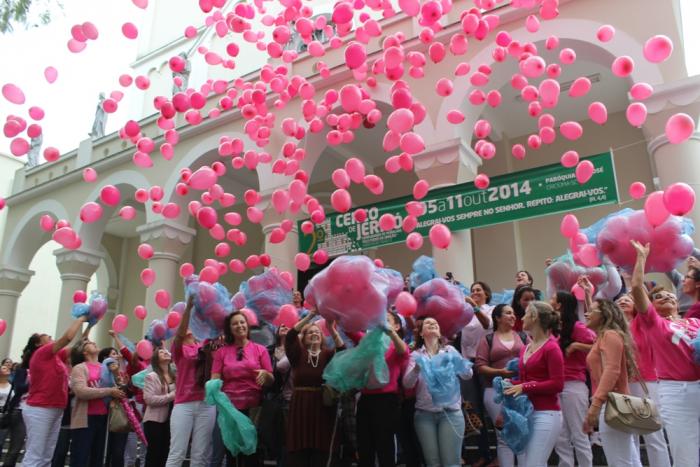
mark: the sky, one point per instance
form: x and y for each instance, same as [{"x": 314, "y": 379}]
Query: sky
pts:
[{"x": 71, "y": 101}]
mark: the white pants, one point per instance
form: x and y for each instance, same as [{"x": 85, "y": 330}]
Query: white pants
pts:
[
  {"x": 546, "y": 426},
  {"x": 680, "y": 412},
  {"x": 574, "y": 406},
  {"x": 43, "y": 425},
  {"x": 655, "y": 443},
  {"x": 506, "y": 457},
  {"x": 195, "y": 419},
  {"x": 618, "y": 446}
]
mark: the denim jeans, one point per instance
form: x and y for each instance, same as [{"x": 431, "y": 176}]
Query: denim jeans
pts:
[
  {"x": 680, "y": 413},
  {"x": 43, "y": 425},
  {"x": 546, "y": 426},
  {"x": 440, "y": 435}
]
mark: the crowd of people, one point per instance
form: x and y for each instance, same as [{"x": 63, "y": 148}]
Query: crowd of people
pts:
[{"x": 64, "y": 397}]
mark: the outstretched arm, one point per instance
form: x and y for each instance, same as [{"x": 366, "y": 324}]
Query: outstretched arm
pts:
[
  {"x": 639, "y": 292},
  {"x": 69, "y": 335},
  {"x": 184, "y": 322}
]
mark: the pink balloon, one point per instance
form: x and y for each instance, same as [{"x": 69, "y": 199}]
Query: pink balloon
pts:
[
  {"x": 518, "y": 151},
  {"x": 637, "y": 190},
  {"x": 598, "y": 113},
  {"x": 320, "y": 256},
  {"x": 50, "y": 73},
  {"x": 579, "y": 293},
  {"x": 280, "y": 200},
  {"x": 110, "y": 195},
  {"x": 127, "y": 213},
  {"x": 209, "y": 274},
  {"x": 405, "y": 303},
  {"x": 605, "y": 33},
  {"x": 679, "y": 199},
  {"x": 387, "y": 222},
  {"x": 584, "y": 171},
  {"x": 46, "y": 222},
  {"x": 482, "y": 181},
  {"x": 374, "y": 184},
  {"x": 302, "y": 261},
  {"x": 657, "y": 49},
  {"x": 89, "y": 175},
  {"x": 187, "y": 269},
  {"x": 420, "y": 189},
  {"x": 440, "y": 236},
  {"x": 251, "y": 317},
  {"x": 623, "y": 66},
  {"x": 340, "y": 178},
  {"x": 636, "y": 114},
  {"x": 355, "y": 55},
  {"x": 90, "y": 212},
  {"x": 79, "y": 296},
  {"x": 571, "y": 130},
  {"x": 414, "y": 241},
  {"x": 120, "y": 323},
  {"x": 76, "y": 46},
  {"x": 203, "y": 178},
  {"x": 140, "y": 312},
  {"x": 145, "y": 251},
  {"x": 148, "y": 276},
  {"x": 360, "y": 215},
  {"x": 173, "y": 319},
  {"x": 144, "y": 349},
  {"x": 412, "y": 143},
  {"x": 401, "y": 120},
  {"x": 588, "y": 254},
  {"x": 341, "y": 200},
  {"x": 655, "y": 209},
  {"x": 3, "y": 326},
  {"x": 13, "y": 94},
  {"x": 679, "y": 128},
  {"x": 355, "y": 169},
  {"x": 580, "y": 87},
  {"x": 130, "y": 31},
  {"x": 569, "y": 159},
  {"x": 569, "y": 226},
  {"x": 163, "y": 298},
  {"x": 641, "y": 91},
  {"x": 287, "y": 316}
]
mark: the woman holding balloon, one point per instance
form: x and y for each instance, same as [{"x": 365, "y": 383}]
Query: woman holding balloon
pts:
[
  {"x": 191, "y": 416},
  {"x": 679, "y": 376}
]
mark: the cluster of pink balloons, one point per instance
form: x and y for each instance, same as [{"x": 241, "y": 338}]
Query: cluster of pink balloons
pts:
[{"x": 439, "y": 299}]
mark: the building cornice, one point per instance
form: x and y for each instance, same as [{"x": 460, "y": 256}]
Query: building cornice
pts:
[
  {"x": 89, "y": 257},
  {"x": 165, "y": 229},
  {"x": 662, "y": 140}
]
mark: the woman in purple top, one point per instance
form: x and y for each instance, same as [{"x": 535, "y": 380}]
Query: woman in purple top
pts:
[
  {"x": 575, "y": 341},
  {"x": 244, "y": 367}
]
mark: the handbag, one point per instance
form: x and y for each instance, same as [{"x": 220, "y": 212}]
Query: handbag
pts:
[
  {"x": 632, "y": 414},
  {"x": 118, "y": 420}
]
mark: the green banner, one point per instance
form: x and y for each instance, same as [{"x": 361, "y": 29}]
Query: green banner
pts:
[{"x": 519, "y": 195}]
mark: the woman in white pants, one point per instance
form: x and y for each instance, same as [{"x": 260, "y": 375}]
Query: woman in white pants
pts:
[
  {"x": 611, "y": 363},
  {"x": 655, "y": 443},
  {"x": 541, "y": 379},
  {"x": 48, "y": 393},
  {"x": 492, "y": 354},
  {"x": 575, "y": 341},
  {"x": 670, "y": 337},
  {"x": 191, "y": 416}
]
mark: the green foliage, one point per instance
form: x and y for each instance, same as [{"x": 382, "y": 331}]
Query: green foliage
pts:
[{"x": 29, "y": 13}]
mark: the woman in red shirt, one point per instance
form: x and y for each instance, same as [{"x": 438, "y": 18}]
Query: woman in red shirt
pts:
[{"x": 541, "y": 379}]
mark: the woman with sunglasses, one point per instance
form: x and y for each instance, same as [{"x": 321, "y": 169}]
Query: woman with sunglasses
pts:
[
  {"x": 541, "y": 379},
  {"x": 691, "y": 287},
  {"x": 191, "y": 416},
  {"x": 654, "y": 443},
  {"x": 310, "y": 428},
  {"x": 245, "y": 367},
  {"x": 679, "y": 377},
  {"x": 612, "y": 364}
]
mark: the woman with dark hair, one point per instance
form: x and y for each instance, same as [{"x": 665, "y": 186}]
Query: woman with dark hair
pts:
[
  {"x": 48, "y": 394},
  {"x": 575, "y": 341},
  {"x": 191, "y": 417},
  {"x": 116, "y": 442},
  {"x": 310, "y": 428},
  {"x": 494, "y": 352},
  {"x": 471, "y": 335},
  {"x": 244, "y": 367},
  {"x": 523, "y": 278},
  {"x": 159, "y": 394},
  {"x": 670, "y": 337},
  {"x": 691, "y": 287},
  {"x": 541, "y": 379},
  {"x": 612, "y": 364},
  {"x": 523, "y": 296}
]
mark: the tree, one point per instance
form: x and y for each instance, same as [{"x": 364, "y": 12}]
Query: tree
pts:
[{"x": 28, "y": 13}]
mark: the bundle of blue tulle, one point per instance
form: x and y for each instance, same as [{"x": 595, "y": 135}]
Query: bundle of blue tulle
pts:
[
  {"x": 423, "y": 271},
  {"x": 237, "y": 431},
  {"x": 158, "y": 331},
  {"x": 212, "y": 304},
  {"x": 265, "y": 294},
  {"x": 440, "y": 374},
  {"x": 516, "y": 412},
  {"x": 362, "y": 366},
  {"x": 95, "y": 309}
]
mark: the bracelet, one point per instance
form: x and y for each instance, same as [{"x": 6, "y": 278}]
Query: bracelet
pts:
[{"x": 477, "y": 309}]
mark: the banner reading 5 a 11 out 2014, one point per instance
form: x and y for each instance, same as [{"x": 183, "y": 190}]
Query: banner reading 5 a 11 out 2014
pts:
[{"x": 519, "y": 195}]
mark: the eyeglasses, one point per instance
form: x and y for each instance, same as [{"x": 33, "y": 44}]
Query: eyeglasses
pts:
[
  {"x": 662, "y": 295},
  {"x": 239, "y": 354}
]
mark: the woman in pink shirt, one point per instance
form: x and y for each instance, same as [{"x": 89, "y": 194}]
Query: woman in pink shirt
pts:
[
  {"x": 691, "y": 287},
  {"x": 655, "y": 443},
  {"x": 493, "y": 353},
  {"x": 48, "y": 396},
  {"x": 575, "y": 340},
  {"x": 541, "y": 379},
  {"x": 670, "y": 337},
  {"x": 191, "y": 416},
  {"x": 244, "y": 367},
  {"x": 611, "y": 363}
]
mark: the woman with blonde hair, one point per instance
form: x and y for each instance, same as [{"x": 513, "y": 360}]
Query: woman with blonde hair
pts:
[{"x": 611, "y": 363}]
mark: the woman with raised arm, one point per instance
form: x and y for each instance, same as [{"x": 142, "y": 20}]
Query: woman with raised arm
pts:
[
  {"x": 48, "y": 395},
  {"x": 541, "y": 379},
  {"x": 670, "y": 337},
  {"x": 612, "y": 364},
  {"x": 191, "y": 416},
  {"x": 310, "y": 427}
]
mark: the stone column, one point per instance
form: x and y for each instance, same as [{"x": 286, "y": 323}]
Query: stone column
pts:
[
  {"x": 169, "y": 241},
  {"x": 13, "y": 280},
  {"x": 449, "y": 163},
  {"x": 675, "y": 162},
  {"x": 76, "y": 268}
]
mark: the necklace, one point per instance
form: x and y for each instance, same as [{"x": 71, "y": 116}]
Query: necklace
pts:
[{"x": 314, "y": 356}]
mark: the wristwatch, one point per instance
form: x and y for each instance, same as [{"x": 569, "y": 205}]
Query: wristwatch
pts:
[{"x": 477, "y": 309}]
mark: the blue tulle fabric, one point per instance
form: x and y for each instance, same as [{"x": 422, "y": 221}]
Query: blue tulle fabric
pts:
[
  {"x": 516, "y": 412},
  {"x": 265, "y": 294},
  {"x": 695, "y": 344},
  {"x": 139, "y": 379},
  {"x": 362, "y": 366},
  {"x": 237, "y": 431},
  {"x": 441, "y": 375},
  {"x": 158, "y": 331},
  {"x": 423, "y": 271},
  {"x": 212, "y": 303},
  {"x": 504, "y": 297},
  {"x": 127, "y": 343},
  {"x": 95, "y": 309},
  {"x": 593, "y": 230},
  {"x": 395, "y": 280}
]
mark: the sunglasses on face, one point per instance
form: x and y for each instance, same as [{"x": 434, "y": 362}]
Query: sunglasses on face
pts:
[{"x": 662, "y": 295}]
